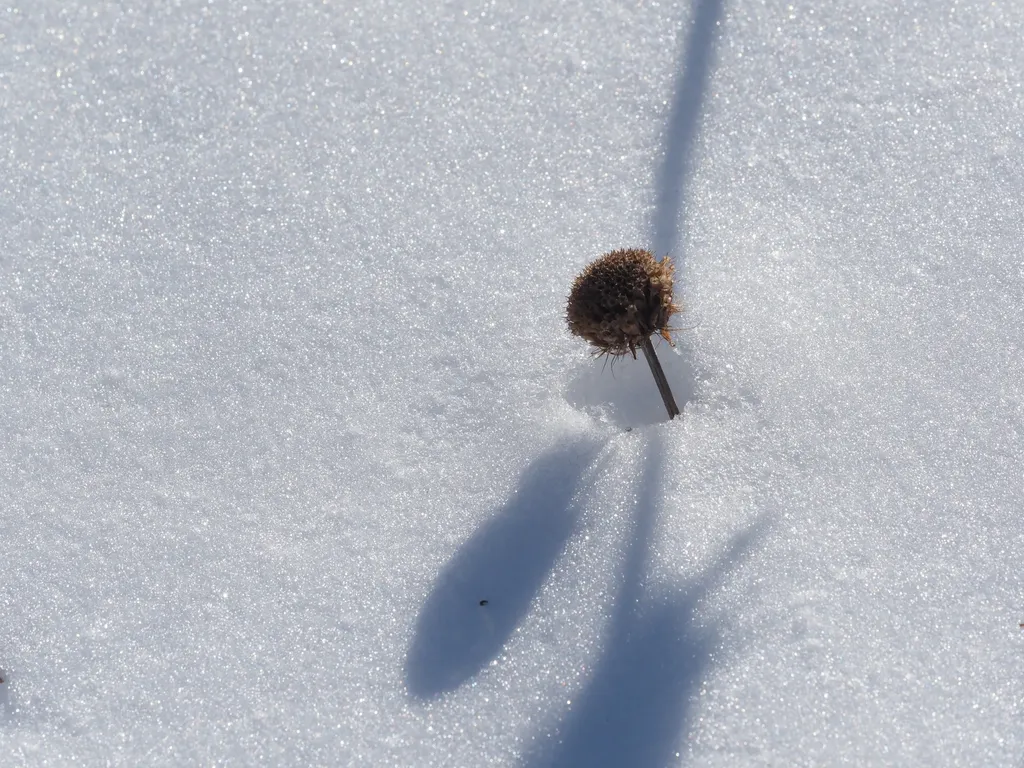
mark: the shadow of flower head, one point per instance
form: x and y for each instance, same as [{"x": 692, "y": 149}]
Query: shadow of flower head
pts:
[{"x": 487, "y": 587}]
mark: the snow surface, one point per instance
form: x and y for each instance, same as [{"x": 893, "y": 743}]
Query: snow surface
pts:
[{"x": 285, "y": 387}]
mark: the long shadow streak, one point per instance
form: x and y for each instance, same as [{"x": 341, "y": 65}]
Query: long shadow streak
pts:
[
  {"x": 504, "y": 563},
  {"x": 684, "y": 124},
  {"x": 634, "y": 710}
]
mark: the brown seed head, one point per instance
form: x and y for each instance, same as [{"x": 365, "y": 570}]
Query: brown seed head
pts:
[{"x": 622, "y": 298}]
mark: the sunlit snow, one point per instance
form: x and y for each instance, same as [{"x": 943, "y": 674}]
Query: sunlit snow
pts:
[{"x": 299, "y": 464}]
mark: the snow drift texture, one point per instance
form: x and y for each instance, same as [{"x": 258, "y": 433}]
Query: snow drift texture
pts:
[{"x": 286, "y": 392}]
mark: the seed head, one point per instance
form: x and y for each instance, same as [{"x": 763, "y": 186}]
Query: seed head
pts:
[{"x": 622, "y": 298}]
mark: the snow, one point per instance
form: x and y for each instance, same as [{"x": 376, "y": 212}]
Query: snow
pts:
[{"x": 286, "y": 392}]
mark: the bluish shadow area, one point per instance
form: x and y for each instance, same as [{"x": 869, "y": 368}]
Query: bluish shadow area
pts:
[
  {"x": 634, "y": 711},
  {"x": 622, "y": 391},
  {"x": 630, "y": 713},
  {"x": 505, "y": 563},
  {"x": 6, "y": 706},
  {"x": 684, "y": 124}
]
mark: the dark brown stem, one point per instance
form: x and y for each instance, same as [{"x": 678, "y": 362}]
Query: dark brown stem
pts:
[{"x": 659, "y": 378}]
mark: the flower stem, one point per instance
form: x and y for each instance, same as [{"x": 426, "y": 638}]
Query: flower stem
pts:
[{"x": 659, "y": 378}]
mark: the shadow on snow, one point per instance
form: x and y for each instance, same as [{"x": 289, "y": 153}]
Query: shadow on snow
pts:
[
  {"x": 622, "y": 391},
  {"x": 505, "y": 563},
  {"x": 684, "y": 124},
  {"x": 6, "y": 706},
  {"x": 634, "y": 709}
]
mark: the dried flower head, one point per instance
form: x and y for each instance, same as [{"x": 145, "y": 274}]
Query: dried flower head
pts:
[{"x": 618, "y": 301}]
